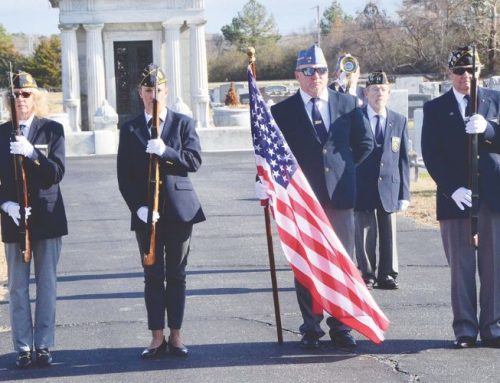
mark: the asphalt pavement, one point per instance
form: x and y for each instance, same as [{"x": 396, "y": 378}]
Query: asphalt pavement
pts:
[{"x": 229, "y": 324}]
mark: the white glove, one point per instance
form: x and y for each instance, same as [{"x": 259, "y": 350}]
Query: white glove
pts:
[
  {"x": 22, "y": 146},
  {"x": 476, "y": 125},
  {"x": 142, "y": 213},
  {"x": 403, "y": 204},
  {"x": 13, "y": 210},
  {"x": 156, "y": 146},
  {"x": 261, "y": 191},
  {"x": 462, "y": 196}
]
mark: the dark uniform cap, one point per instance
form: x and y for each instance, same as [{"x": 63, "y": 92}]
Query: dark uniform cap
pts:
[
  {"x": 377, "y": 78},
  {"x": 23, "y": 80},
  {"x": 462, "y": 57},
  {"x": 312, "y": 56},
  {"x": 150, "y": 74}
]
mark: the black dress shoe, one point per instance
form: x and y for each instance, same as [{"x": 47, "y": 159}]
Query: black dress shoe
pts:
[
  {"x": 491, "y": 342},
  {"x": 343, "y": 339},
  {"x": 309, "y": 342},
  {"x": 465, "y": 342},
  {"x": 24, "y": 359},
  {"x": 43, "y": 357},
  {"x": 155, "y": 353},
  {"x": 369, "y": 282},
  {"x": 387, "y": 283},
  {"x": 177, "y": 351}
]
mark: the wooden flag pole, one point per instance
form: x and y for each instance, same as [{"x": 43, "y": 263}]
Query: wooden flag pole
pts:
[{"x": 269, "y": 234}]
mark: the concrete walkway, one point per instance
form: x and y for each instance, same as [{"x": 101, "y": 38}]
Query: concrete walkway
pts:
[{"x": 229, "y": 324}]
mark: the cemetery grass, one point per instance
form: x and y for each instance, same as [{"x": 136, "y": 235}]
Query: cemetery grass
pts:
[{"x": 423, "y": 201}]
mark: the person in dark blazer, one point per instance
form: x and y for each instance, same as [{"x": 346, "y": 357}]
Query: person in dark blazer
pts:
[
  {"x": 327, "y": 145},
  {"x": 41, "y": 143},
  {"x": 178, "y": 150},
  {"x": 446, "y": 127},
  {"x": 383, "y": 186}
]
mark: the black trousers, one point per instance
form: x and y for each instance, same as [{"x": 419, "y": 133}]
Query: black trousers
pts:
[{"x": 165, "y": 281}]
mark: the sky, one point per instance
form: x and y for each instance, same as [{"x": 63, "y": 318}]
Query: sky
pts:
[{"x": 37, "y": 16}]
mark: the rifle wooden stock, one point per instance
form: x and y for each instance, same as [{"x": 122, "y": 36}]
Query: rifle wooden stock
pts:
[
  {"x": 473, "y": 160},
  {"x": 153, "y": 192},
  {"x": 21, "y": 182}
]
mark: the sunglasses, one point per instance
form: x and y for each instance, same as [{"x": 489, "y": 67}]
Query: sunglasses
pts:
[
  {"x": 22, "y": 94},
  {"x": 461, "y": 71},
  {"x": 309, "y": 71}
]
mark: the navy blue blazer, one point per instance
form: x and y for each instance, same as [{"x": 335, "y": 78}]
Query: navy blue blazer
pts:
[
  {"x": 44, "y": 172},
  {"x": 445, "y": 151},
  {"x": 386, "y": 176},
  {"x": 178, "y": 200},
  {"x": 329, "y": 168}
]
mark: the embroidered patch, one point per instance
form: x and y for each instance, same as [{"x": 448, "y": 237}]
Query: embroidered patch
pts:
[{"x": 395, "y": 144}]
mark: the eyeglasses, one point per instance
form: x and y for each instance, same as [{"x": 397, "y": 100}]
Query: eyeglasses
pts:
[
  {"x": 461, "y": 71},
  {"x": 22, "y": 94},
  {"x": 309, "y": 71}
]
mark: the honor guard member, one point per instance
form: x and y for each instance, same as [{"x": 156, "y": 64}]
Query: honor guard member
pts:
[
  {"x": 179, "y": 153},
  {"x": 382, "y": 186},
  {"x": 445, "y": 132},
  {"x": 327, "y": 147},
  {"x": 346, "y": 77},
  {"x": 41, "y": 144}
]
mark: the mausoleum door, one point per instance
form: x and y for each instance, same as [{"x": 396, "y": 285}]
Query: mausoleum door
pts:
[{"x": 131, "y": 57}]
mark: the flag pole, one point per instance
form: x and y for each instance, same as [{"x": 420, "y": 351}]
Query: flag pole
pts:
[{"x": 269, "y": 234}]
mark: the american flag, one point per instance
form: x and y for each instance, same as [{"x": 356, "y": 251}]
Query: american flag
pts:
[{"x": 315, "y": 254}]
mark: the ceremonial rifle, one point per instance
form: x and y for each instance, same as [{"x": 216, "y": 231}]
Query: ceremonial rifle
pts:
[
  {"x": 269, "y": 233},
  {"x": 19, "y": 178},
  {"x": 473, "y": 159},
  {"x": 153, "y": 179}
]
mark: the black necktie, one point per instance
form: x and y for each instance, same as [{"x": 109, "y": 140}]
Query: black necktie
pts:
[
  {"x": 318, "y": 123},
  {"x": 22, "y": 128},
  {"x": 468, "y": 108},
  {"x": 379, "y": 134}
]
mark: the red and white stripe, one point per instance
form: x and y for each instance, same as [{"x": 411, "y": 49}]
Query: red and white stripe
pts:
[{"x": 317, "y": 257}]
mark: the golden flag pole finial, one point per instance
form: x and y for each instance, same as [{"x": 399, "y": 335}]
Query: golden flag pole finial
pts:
[{"x": 251, "y": 60}]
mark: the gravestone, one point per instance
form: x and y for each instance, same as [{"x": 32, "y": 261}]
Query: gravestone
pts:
[
  {"x": 430, "y": 87},
  {"x": 410, "y": 83},
  {"x": 417, "y": 101},
  {"x": 398, "y": 101},
  {"x": 418, "y": 119}
]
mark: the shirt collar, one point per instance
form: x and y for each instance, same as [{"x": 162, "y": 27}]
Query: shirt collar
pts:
[
  {"x": 459, "y": 96},
  {"x": 306, "y": 97},
  {"x": 163, "y": 115},
  {"x": 27, "y": 123},
  {"x": 371, "y": 113}
]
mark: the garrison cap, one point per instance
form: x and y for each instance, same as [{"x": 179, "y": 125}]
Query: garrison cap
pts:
[
  {"x": 23, "y": 80},
  {"x": 462, "y": 57},
  {"x": 151, "y": 75},
  {"x": 377, "y": 78},
  {"x": 311, "y": 56}
]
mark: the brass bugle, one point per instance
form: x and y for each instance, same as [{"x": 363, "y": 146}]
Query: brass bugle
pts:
[{"x": 348, "y": 64}]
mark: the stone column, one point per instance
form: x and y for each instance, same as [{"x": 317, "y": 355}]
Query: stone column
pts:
[
  {"x": 70, "y": 75},
  {"x": 172, "y": 61},
  {"x": 96, "y": 89},
  {"x": 199, "y": 75}
]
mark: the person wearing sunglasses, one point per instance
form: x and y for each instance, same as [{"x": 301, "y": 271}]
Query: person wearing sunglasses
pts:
[
  {"x": 446, "y": 127},
  {"x": 41, "y": 143},
  {"x": 317, "y": 128}
]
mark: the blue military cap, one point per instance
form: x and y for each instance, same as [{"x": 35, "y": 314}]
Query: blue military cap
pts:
[{"x": 311, "y": 56}]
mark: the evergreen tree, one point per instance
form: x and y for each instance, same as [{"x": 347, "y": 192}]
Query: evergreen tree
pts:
[
  {"x": 252, "y": 27},
  {"x": 333, "y": 16},
  {"x": 45, "y": 65},
  {"x": 8, "y": 54}
]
